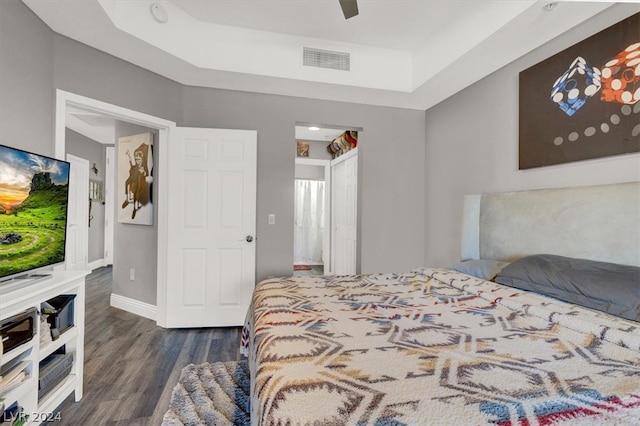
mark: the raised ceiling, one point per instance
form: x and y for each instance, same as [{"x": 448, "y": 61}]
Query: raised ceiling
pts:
[
  {"x": 95, "y": 126},
  {"x": 409, "y": 54}
]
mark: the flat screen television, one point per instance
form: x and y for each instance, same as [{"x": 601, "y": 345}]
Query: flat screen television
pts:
[{"x": 34, "y": 196}]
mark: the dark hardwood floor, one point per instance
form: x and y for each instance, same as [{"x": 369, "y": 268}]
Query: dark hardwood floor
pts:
[{"x": 131, "y": 365}]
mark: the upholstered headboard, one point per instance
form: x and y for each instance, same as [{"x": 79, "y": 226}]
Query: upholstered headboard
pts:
[{"x": 593, "y": 222}]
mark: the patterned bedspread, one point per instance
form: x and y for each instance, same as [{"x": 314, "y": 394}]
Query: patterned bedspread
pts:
[{"x": 434, "y": 347}]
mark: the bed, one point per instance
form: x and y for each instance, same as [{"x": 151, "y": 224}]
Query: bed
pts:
[{"x": 449, "y": 345}]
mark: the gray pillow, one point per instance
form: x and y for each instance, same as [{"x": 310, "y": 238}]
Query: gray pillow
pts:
[
  {"x": 606, "y": 287},
  {"x": 484, "y": 269}
]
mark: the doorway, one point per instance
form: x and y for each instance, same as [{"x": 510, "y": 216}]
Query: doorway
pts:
[
  {"x": 66, "y": 101},
  {"x": 178, "y": 262},
  {"x": 311, "y": 233},
  {"x": 321, "y": 201},
  {"x": 90, "y": 135}
]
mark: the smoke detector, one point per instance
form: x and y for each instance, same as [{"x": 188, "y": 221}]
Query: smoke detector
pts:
[{"x": 159, "y": 13}]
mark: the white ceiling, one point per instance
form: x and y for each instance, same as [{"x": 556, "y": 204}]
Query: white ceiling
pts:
[
  {"x": 408, "y": 27},
  {"x": 98, "y": 127},
  {"x": 410, "y": 54}
]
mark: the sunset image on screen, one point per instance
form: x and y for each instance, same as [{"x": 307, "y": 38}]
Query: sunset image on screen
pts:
[
  {"x": 34, "y": 193},
  {"x": 17, "y": 170}
]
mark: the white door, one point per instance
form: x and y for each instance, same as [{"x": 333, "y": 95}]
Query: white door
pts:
[
  {"x": 77, "y": 250},
  {"x": 344, "y": 207},
  {"x": 109, "y": 199},
  {"x": 212, "y": 224}
]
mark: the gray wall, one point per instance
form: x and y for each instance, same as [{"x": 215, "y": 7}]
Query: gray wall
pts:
[
  {"x": 393, "y": 215},
  {"x": 479, "y": 156},
  {"x": 84, "y": 147},
  {"x": 472, "y": 146},
  {"x": 136, "y": 246},
  {"x": 317, "y": 149},
  {"x": 392, "y": 181},
  {"x": 304, "y": 171},
  {"x": 26, "y": 80},
  {"x": 88, "y": 72},
  {"x": 83, "y": 70},
  {"x": 35, "y": 62}
]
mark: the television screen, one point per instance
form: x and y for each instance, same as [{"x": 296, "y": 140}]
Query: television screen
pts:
[{"x": 34, "y": 192}]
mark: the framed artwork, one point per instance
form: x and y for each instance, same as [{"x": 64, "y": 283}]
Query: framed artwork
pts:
[
  {"x": 584, "y": 102},
  {"x": 303, "y": 149},
  {"x": 135, "y": 178}
]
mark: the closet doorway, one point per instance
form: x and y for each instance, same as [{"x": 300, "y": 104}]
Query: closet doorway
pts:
[{"x": 323, "y": 203}]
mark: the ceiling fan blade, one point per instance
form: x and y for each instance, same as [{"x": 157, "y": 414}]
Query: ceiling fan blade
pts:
[{"x": 349, "y": 8}]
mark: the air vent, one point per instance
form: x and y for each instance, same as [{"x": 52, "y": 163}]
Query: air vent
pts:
[{"x": 326, "y": 59}]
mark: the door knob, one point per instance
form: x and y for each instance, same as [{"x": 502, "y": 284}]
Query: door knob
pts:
[{"x": 249, "y": 238}]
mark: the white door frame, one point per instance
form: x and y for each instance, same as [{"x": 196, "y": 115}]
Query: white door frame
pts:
[
  {"x": 326, "y": 236},
  {"x": 109, "y": 203},
  {"x": 164, "y": 127}
]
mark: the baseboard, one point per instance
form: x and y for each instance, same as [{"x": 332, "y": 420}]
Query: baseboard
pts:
[
  {"x": 134, "y": 306},
  {"x": 96, "y": 264}
]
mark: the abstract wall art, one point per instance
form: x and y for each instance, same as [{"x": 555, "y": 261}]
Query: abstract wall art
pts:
[{"x": 584, "y": 102}]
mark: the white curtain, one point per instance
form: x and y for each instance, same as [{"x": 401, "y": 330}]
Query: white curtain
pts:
[{"x": 309, "y": 221}]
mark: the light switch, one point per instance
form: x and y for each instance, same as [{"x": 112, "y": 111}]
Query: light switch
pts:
[{"x": 272, "y": 219}]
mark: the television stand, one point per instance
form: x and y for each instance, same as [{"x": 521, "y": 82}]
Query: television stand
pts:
[
  {"x": 23, "y": 281},
  {"x": 15, "y": 299},
  {"x": 34, "y": 278}
]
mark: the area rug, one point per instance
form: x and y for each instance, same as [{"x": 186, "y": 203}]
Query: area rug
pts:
[{"x": 211, "y": 394}]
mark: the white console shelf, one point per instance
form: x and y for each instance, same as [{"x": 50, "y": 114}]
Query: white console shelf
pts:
[{"x": 17, "y": 298}]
